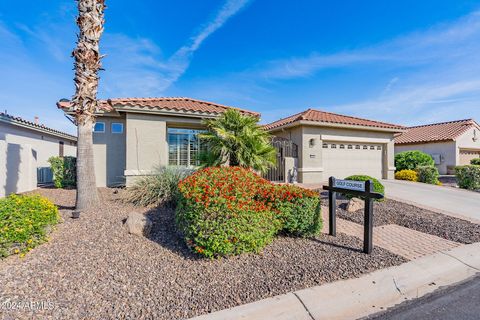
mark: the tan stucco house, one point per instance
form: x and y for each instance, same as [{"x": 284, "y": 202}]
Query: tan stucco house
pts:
[
  {"x": 133, "y": 136},
  {"x": 450, "y": 143},
  {"x": 337, "y": 145},
  {"x": 25, "y": 147}
]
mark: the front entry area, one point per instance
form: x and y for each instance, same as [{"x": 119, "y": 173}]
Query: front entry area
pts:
[{"x": 342, "y": 159}]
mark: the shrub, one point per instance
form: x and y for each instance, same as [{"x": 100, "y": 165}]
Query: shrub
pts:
[
  {"x": 475, "y": 162},
  {"x": 25, "y": 222},
  {"x": 408, "y": 175},
  {"x": 410, "y": 160},
  {"x": 428, "y": 174},
  {"x": 64, "y": 171},
  {"x": 231, "y": 210},
  {"x": 160, "y": 188},
  {"x": 468, "y": 177},
  {"x": 377, "y": 185}
]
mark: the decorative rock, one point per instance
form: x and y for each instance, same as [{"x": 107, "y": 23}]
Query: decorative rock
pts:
[
  {"x": 138, "y": 224},
  {"x": 355, "y": 204}
]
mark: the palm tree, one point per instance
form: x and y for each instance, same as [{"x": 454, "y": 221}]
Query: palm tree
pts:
[
  {"x": 87, "y": 57},
  {"x": 237, "y": 140}
]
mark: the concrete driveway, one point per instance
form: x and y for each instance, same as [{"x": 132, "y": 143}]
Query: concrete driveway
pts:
[{"x": 454, "y": 202}]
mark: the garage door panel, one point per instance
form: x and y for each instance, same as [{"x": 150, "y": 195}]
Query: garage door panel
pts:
[
  {"x": 467, "y": 155},
  {"x": 352, "y": 159}
]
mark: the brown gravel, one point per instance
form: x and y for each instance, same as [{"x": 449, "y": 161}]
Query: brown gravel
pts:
[
  {"x": 402, "y": 214},
  {"x": 92, "y": 268}
]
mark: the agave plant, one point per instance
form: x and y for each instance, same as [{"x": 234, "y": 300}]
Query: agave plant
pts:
[{"x": 235, "y": 139}]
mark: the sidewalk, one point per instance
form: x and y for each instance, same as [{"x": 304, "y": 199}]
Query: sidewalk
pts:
[{"x": 356, "y": 298}]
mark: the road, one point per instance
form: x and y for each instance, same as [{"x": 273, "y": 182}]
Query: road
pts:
[
  {"x": 458, "y": 302},
  {"x": 447, "y": 200}
]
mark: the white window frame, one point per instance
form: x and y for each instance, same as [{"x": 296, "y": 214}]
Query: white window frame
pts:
[
  {"x": 111, "y": 128},
  {"x": 103, "y": 131}
]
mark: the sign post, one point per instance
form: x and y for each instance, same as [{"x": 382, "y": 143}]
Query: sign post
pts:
[{"x": 363, "y": 189}]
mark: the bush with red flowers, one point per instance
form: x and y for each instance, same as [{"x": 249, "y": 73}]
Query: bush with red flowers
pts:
[{"x": 231, "y": 210}]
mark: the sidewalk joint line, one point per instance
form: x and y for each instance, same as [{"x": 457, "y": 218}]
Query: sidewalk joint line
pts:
[
  {"x": 304, "y": 306},
  {"x": 459, "y": 260}
]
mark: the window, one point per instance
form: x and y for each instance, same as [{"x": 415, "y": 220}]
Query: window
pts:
[
  {"x": 342, "y": 146},
  {"x": 357, "y": 147},
  {"x": 334, "y": 146},
  {"x": 117, "y": 127},
  {"x": 183, "y": 147},
  {"x": 372, "y": 147},
  {"x": 325, "y": 146},
  {"x": 379, "y": 148},
  {"x": 60, "y": 148},
  {"x": 99, "y": 127},
  {"x": 350, "y": 146},
  {"x": 365, "y": 147}
]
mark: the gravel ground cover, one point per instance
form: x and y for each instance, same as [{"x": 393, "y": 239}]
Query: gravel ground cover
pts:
[
  {"x": 402, "y": 214},
  {"x": 93, "y": 269}
]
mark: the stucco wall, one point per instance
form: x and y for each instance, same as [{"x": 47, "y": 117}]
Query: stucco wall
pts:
[
  {"x": 467, "y": 141},
  {"x": 447, "y": 150},
  {"x": 310, "y": 157},
  {"x": 109, "y": 153}
]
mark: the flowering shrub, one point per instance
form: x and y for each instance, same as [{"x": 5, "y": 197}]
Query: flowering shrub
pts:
[
  {"x": 24, "y": 223},
  {"x": 408, "y": 175},
  {"x": 230, "y": 210}
]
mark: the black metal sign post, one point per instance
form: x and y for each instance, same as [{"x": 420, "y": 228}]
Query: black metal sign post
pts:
[{"x": 355, "y": 188}]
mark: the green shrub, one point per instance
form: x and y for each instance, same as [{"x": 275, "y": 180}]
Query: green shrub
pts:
[
  {"x": 410, "y": 160},
  {"x": 468, "y": 177},
  {"x": 377, "y": 185},
  {"x": 408, "y": 175},
  {"x": 475, "y": 162},
  {"x": 25, "y": 222},
  {"x": 428, "y": 174},
  {"x": 160, "y": 188},
  {"x": 64, "y": 171},
  {"x": 231, "y": 210}
]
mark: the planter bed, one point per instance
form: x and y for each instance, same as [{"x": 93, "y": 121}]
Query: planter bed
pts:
[
  {"x": 92, "y": 268},
  {"x": 409, "y": 216}
]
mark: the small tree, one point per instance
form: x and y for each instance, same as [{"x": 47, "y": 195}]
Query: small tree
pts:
[
  {"x": 410, "y": 160},
  {"x": 235, "y": 139}
]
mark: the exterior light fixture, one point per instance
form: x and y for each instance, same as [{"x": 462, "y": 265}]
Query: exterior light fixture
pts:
[{"x": 311, "y": 142}]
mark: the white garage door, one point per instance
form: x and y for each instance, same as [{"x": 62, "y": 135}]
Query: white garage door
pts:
[
  {"x": 467, "y": 155},
  {"x": 342, "y": 159}
]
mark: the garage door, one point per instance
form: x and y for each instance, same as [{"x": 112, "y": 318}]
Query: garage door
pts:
[
  {"x": 342, "y": 159},
  {"x": 467, "y": 155}
]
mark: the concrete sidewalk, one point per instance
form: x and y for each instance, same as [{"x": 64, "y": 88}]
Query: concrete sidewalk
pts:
[
  {"x": 450, "y": 201},
  {"x": 357, "y": 298}
]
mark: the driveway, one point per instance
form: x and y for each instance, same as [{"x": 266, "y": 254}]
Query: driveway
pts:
[{"x": 455, "y": 202}]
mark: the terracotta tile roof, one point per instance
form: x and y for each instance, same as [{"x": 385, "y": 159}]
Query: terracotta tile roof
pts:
[
  {"x": 163, "y": 103},
  {"x": 328, "y": 117},
  {"x": 445, "y": 131},
  {"x": 5, "y": 117}
]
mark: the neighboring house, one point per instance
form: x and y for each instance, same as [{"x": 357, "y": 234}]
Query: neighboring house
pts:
[
  {"x": 24, "y": 150},
  {"x": 449, "y": 143},
  {"x": 336, "y": 145},
  {"x": 133, "y": 136}
]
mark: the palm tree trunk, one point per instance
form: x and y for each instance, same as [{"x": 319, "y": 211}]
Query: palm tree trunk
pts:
[
  {"x": 87, "y": 57},
  {"x": 87, "y": 195}
]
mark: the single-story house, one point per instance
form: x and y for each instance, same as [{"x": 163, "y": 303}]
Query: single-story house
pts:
[
  {"x": 450, "y": 143},
  {"x": 25, "y": 147},
  {"x": 337, "y": 145},
  {"x": 133, "y": 136}
]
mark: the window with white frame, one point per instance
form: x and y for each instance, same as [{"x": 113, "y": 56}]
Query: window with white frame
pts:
[
  {"x": 183, "y": 147},
  {"x": 117, "y": 127},
  {"x": 99, "y": 127}
]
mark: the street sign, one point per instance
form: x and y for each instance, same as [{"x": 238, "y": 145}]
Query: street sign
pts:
[
  {"x": 362, "y": 189},
  {"x": 350, "y": 184}
]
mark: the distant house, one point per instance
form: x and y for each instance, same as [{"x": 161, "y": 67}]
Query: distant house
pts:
[
  {"x": 450, "y": 143},
  {"x": 337, "y": 145},
  {"x": 24, "y": 150},
  {"x": 133, "y": 136}
]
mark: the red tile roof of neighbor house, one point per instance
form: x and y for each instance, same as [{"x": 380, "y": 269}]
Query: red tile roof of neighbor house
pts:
[
  {"x": 164, "y": 103},
  {"x": 435, "y": 132},
  {"x": 5, "y": 117},
  {"x": 328, "y": 117}
]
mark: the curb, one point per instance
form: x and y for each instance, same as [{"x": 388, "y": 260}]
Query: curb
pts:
[{"x": 371, "y": 293}]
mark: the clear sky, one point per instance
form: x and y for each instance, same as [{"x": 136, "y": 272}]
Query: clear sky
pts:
[{"x": 407, "y": 62}]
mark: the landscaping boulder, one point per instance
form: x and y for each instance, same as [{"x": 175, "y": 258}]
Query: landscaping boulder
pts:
[
  {"x": 138, "y": 224},
  {"x": 355, "y": 204}
]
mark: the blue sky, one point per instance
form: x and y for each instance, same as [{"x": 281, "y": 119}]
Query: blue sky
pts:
[{"x": 406, "y": 62}]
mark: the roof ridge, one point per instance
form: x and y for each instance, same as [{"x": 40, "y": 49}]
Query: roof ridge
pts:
[
  {"x": 33, "y": 124},
  {"x": 471, "y": 120},
  {"x": 353, "y": 117}
]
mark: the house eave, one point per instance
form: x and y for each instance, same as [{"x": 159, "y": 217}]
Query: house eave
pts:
[
  {"x": 335, "y": 125},
  {"x": 39, "y": 129}
]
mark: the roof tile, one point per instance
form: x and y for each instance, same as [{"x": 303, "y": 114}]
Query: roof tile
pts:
[{"x": 444, "y": 131}]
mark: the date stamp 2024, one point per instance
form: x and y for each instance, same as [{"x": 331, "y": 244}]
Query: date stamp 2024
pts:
[{"x": 10, "y": 304}]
